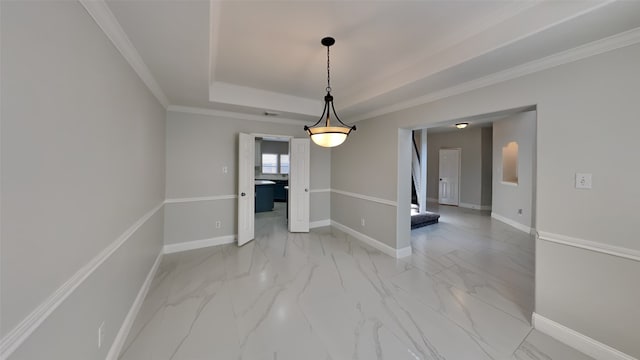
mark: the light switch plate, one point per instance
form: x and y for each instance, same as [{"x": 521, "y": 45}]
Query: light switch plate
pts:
[{"x": 583, "y": 181}]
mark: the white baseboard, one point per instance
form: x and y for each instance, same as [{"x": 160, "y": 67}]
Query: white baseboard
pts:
[
  {"x": 197, "y": 244},
  {"x": 396, "y": 253},
  {"x": 576, "y": 340},
  {"x": 475, "y": 206},
  {"x": 515, "y": 224},
  {"x": 404, "y": 252},
  {"x": 12, "y": 340},
  {"x": 319, "y": 223},
  {"x": 121, "y": 337}
]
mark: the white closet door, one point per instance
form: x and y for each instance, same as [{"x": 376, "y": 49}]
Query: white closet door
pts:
[{"x": 299, "y": 186}]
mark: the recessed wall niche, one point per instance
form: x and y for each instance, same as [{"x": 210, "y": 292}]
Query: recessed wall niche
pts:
[{"x": 510, "y": 163}]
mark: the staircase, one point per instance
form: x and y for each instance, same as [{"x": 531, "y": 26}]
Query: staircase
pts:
[{"x": 415, "y": 172}]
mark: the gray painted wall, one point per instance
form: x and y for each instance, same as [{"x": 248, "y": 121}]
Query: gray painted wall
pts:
[
  {"x": 487, "y": 166},
  {"x": 82, "y": 160},
  {"x": 594, "y": 98},
  {"x": 198, "y": 146},
  {"x": 365, "y": 164},
  {"x": 274, "y": 147},
  {"x": 508, "y": 198}
]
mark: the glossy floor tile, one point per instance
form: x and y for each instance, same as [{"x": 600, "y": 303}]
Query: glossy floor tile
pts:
[{"x": 465, "y": 293}]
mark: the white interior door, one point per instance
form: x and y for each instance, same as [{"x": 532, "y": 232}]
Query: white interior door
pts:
[
  {"x": 299, "y": 186},
  {"x": 449, "y": 193},
  {"x": 246, "y": 188}
]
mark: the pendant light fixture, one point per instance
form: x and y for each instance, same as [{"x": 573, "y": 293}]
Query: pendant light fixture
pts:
[{"x": 328, "y": 135}]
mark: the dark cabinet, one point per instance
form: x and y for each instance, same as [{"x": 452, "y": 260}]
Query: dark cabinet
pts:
[
  {"x": 264, "y": 197},
  {"x": 279, "y": 192}
]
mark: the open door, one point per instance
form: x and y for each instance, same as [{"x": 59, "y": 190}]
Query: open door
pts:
[
  {"x": 449, "y": 193},
  {"x": 299, "y": 186},
  {"x": 246, "y": 188}
]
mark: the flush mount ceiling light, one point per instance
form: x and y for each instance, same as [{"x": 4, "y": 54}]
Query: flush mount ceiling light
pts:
[
  {"x": 462, "y": 125},
  {"x": 327, "y": 135}
]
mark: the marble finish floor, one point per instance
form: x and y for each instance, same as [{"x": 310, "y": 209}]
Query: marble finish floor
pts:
[{"x": 465, "y": 293}]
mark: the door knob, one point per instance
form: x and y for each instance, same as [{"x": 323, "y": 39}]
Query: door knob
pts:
[
  {"x": 306, "y": 190},
  {"x": 242, "y": 194},
  {"x": 440, "y": 179}
]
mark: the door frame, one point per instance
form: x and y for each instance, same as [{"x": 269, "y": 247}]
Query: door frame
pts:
[
  {"x": 252, "y": 181},
  {"x": 459, "y": 173}
]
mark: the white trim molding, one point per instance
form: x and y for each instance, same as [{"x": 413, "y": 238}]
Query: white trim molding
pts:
[
  {"x": 597, "y": 47},
  {"x": 235, "y": 115},
  {"x": 509, "y": 183},
  {"x": 510, "y": 222},
  {"x": 619, "y": 251},
  {"x": 475, "y": 206},
  {"x": 396, "y": 253},
  {"x": 199, "y": 244},
  {"x": 576, "y": 340},
  {"x": 29, "y": 324},
  {"x": 200, "y": 198},
  {"x": 319, "y": 223},
  {"x": 404, "y": 252},
  {"x": 365, "y": 197},
  {"x": 118, "y": 342},
  {"x": 320, "y": 190},
  {"x": 105, "y": 19}
]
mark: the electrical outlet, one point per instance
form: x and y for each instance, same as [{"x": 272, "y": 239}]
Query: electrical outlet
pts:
[
  {"x": 100, "y": 334},
  {"x": 583, "y": 181},
  {"x": 225, "y": 169},
  {"x": 362, "y": 222},
  {"x": 218, "y": 224}
]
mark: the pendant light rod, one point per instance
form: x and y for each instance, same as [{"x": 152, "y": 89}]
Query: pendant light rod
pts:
[
  {"x": 328, "y": 99},
  {"x": 328, "y": 41},
  {"x": 327, "y": 135}
]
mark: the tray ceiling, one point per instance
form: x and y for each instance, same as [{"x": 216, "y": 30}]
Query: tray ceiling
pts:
[{"x": 252, "y": 56}]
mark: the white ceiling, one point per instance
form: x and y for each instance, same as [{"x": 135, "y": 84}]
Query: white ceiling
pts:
[{"x": 252, "y": 56}]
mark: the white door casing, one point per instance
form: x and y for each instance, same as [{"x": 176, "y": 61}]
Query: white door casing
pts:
[
  {"x": 449, "y": 177},
  {"x": 299, "y": 185},
  {"x": 246, "y": 188}
]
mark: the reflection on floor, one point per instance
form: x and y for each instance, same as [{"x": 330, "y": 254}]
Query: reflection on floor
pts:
[{"x": 465, "y": 293}]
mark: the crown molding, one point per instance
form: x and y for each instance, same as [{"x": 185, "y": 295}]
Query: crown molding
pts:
[
  {"x": 234, "y": 115},
  {"x": 102, "y": 15},
  {"x": 450, "y": 57},
  {"x": 627, "y": 38},
  {"x": 262, "y": 99}
]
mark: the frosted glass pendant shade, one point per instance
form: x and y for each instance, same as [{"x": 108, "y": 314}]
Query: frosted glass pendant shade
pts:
[{"x": 328, "y": 139}]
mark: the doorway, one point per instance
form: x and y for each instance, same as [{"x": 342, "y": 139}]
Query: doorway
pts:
[
  {"x": 273, "y": 184},
  {"x": 449, "y": 177},
  {"x": 485, "y": 245}
]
